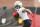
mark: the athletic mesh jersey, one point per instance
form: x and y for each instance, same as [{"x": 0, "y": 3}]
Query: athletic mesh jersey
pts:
[{"x": 23, "y": 15}]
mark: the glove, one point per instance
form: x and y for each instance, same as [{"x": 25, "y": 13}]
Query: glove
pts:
[
  {"x": 16, "y": 14},
  {"x": 33, "y": 16},
  {"x": 20, "y": 21}
]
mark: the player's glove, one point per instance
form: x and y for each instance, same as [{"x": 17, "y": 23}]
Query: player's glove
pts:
[
  {"x": 16, "y": 14},
  {"x": 33, "y": 16}
]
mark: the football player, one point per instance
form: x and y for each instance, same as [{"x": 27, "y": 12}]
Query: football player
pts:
[{"x": 22, "y": 12}]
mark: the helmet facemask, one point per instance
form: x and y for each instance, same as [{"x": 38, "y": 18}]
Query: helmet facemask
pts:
[{"x": 17, "y": 7}]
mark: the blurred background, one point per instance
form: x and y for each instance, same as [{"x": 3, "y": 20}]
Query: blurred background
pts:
[{"x": 7, "y": 10}]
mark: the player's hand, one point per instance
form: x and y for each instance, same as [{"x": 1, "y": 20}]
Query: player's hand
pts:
[
  {"x": 33, "y": 15},
  {"x": 16, "y": 15}
]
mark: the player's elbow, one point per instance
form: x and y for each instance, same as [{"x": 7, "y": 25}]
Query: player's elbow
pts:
[
  {"x": 29, "y": 11},
  {"x": 24, "y": 10}
]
